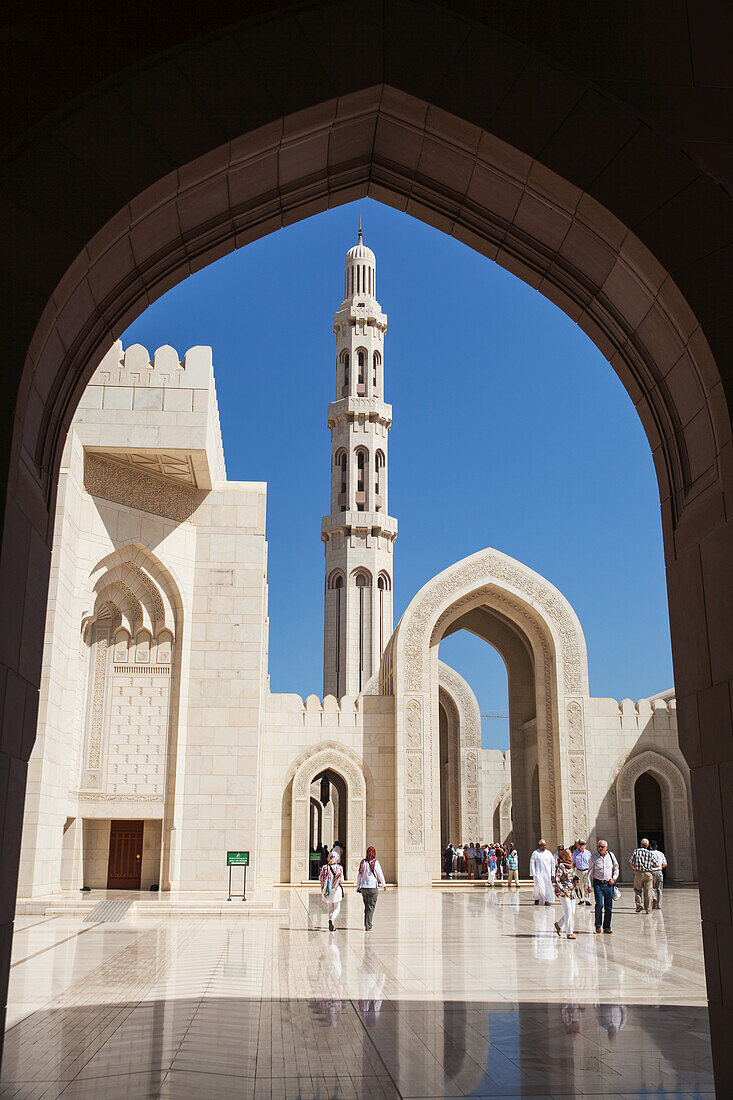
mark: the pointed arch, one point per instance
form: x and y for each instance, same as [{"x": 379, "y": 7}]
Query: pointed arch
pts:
[
  {"x": 675, "y": 810},
  {"x": 495, "y": 597},
  {"x": 327, "y": 757}
]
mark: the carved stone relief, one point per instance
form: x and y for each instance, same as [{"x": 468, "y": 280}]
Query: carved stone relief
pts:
[
  {"x": 576, "y": 768},
  {"x": 413, "y": 724},
  {"x": 471, "y": 769},
  {"x": 413, "y": 770},
  {"x": 575, "y": 726},
  {"x": 98, "y": 690},
  {"x": 415, "y": 834}
]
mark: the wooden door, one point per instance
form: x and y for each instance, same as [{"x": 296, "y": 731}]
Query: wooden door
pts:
[{"x": 125, "y": 855}]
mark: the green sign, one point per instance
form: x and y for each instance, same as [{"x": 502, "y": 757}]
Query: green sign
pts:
[{"x": 237, "y": 859}]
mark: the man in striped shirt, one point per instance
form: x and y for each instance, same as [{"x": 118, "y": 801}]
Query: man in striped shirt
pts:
[{"x": 643, "y": 862}]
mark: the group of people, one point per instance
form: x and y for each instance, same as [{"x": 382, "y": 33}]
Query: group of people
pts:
[
  {"x": 479, "y": 861},
  {"x": 572, "y": 874},
  {"x": 368, "y": 882}
]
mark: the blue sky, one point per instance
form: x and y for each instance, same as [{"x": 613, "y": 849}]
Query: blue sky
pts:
[{"x": 510, "y": 430}]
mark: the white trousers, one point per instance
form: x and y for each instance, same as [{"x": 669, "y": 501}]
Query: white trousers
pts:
[
  {"x": 567, "y": 920},
  {"x": 334, "y": 907},
  {"x": 491, "y": 877}
]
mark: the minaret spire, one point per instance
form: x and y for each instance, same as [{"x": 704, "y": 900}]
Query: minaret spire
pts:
[{"x": 358, "y": 534}]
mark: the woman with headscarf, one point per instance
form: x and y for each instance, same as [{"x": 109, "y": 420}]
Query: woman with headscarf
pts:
[
  {"x": 332, "y": 891},
  {"x": 368, "y": 881},
  {"x": 565, "y": 891}
]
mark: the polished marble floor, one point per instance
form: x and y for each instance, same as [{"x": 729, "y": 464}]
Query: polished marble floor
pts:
[{"x": 455, "y": 993}]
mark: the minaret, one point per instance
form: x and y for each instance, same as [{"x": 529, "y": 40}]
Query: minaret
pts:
[{"x": 359, "y": 533}]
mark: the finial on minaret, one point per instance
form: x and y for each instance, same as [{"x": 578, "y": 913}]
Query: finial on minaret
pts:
[{"x": 360, "y": 231}]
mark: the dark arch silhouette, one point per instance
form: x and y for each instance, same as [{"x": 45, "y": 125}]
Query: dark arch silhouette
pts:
[{"x": 571, "y": 146}]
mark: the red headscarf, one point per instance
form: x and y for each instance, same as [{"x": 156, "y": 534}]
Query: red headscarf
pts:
[{"x": 371, "y": 859}]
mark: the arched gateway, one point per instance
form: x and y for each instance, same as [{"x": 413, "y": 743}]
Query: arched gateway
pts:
[
  {"x": 540, "y": 638},
  {"x": 332, "y": 758}
]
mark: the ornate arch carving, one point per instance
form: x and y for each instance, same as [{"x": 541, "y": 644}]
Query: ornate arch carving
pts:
[
  {"x": 319, "y": 758},
  {"x": 409, "y": 672},
  {"x": 465, "y": 702},
  {"x": 459, "y": 585},
  {"x": 675, "y": 809}
]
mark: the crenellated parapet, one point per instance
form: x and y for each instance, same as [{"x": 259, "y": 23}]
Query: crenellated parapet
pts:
[
  {"x": 149, "y": 419},
  {"x": 135, "y": 366},
  {"x": 314, "y": 713}
]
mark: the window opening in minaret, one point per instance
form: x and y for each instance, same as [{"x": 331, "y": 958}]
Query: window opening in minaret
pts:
[
  {"x": 336, "y": 582},
  {"x": 345, "y": 362},
  {"x": 360, "y": 481},
  {"x": 363, "y": 581},
  {"x": 378, "y": 465},
  {"x": 361, "y": 374},
  {"x": 376, "y": 361},
  {"x": 383, "y": 586},
  {"x": 340, "y": 462}
]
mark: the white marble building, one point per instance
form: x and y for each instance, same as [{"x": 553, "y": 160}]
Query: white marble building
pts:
[{"x": 159, "y": 745}]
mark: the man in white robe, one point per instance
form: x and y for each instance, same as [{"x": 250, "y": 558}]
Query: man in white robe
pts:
[{"x": 542, "y": 870}]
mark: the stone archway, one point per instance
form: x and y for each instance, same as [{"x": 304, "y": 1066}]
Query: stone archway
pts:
[
  {"x": 327, "y": 758},
  {"x": 677, "y": 825},
  {"x": 640, "y": 266},
  {"x": 544, "y": 644}
]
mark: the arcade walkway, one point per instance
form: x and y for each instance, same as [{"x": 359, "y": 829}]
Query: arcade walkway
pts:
[{"x": 454, "y": 993}]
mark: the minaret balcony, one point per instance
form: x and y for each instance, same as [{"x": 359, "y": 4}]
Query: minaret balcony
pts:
[
  {"x": 377, "y": 523},
  {"x": 359, "y": 307},
  {"x": 349, "y": 408}
]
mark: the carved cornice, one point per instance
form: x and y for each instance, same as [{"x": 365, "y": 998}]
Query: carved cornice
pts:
[{"x": 136, "y": 489}]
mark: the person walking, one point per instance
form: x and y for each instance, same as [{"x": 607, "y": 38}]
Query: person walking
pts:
[
  {"x": 512, "y": 868},
  {"x": 660, "y": 861},
  {"x": 448, "y": 861},
  {"x": 332, "y": 890},
  {"x": 602, "y": 876},
  {"x": 581, "y": 863},
  {"x": 368, "y": 881},
  {"x": 491, "y": 867},
  {"x": 564, "y": 882},
  {"x": 643, "y": 862},
  {"x": 542, "y": 870}
]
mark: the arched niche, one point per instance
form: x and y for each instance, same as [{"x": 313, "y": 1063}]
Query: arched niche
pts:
[
  {"x": 461, "y": 783},
  {"x": 327, "y": 758},
  {"x": 539, "y": 636},
  {"x": 678, "y": 837},
  {"x": 503, "y": 828}
]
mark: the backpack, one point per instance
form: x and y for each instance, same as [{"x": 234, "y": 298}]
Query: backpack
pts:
[{"x": 328, "y": 883}]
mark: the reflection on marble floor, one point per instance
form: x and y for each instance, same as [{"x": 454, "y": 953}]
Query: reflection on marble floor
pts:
[{"x": 454, "y": 993}]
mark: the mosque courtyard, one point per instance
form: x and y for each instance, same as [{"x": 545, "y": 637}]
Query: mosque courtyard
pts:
[{"x": 458, "y": 991}]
